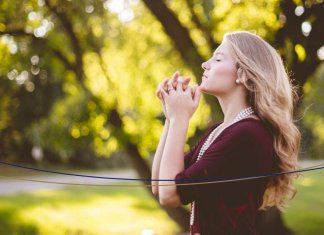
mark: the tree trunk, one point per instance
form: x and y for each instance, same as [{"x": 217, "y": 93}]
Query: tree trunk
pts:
[{"x": 179, "y": 215}]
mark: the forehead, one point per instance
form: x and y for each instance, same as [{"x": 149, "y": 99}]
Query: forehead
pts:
[{"x": 222, "y": 49}]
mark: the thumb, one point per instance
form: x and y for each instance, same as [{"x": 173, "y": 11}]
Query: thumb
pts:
[
  {"x": 197, "y": 95},
  {"x": 158, "y": 91},
  {"x": 193, "y": 90},
  {"x": 164, "y": 94}
]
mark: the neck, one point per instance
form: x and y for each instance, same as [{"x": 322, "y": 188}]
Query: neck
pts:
[{"x": 231, "y": 106}]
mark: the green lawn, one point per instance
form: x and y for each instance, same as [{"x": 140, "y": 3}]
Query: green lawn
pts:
[
  {"x": 305, "y": 214},
  {"x": 83, "y": 210},
  {"x": 98, "y": 210}
]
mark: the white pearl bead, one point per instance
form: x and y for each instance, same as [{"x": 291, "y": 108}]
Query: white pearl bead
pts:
[{"x": 211, "y": 138}]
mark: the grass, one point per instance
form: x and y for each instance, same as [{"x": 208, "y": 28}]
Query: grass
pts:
[
  {"x": 305, "y": 214},
  {"x": 79, "y": 210}
]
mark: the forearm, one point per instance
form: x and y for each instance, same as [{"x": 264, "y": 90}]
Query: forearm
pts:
[
  {"x": 172, "y": 161},
  {"x": 158, "y": 157}
]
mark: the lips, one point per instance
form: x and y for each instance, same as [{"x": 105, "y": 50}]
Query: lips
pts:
[{"x": 204, "y": 76}]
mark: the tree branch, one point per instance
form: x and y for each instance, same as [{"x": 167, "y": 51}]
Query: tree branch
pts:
[
  {"x": 56, "y": 52},
  {"x": 16, "y": 32},
  {"x": 77, "y": 50},
  {"x": 292, "y": 31},
  {"x": 183, "y": 43},
  {"x": 177, "y": 33},
  {"x": 212, "y": 43}
]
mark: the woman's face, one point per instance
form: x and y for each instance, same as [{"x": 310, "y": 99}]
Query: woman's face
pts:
[{"x": 220, "y": 72}]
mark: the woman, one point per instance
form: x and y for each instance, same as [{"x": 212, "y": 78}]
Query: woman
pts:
[{"x": 256, "y": 137}]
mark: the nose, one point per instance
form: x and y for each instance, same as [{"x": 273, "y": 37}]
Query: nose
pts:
[{"x": 204, "y": 65}]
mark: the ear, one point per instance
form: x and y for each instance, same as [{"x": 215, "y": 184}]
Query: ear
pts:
[{"x": 241, "y": 74}]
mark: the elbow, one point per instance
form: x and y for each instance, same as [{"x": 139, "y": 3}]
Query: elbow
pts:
[
  {"x": 170, "y": 201},
  {"x": 155, "y": 188},
  {"x": 155, "y": 191}
]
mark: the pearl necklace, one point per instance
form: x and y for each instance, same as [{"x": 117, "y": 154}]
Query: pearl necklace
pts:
[{"x": 212, "y": 136}]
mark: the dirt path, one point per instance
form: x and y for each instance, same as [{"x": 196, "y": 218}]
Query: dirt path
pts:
[{"x": 11, "y": 186}]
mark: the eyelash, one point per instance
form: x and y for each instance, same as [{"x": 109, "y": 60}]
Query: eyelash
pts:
[{"x": 217, "y": 60}]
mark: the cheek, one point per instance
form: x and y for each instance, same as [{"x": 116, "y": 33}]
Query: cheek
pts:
[
  {"x": 224, "y": 71},
  {"x": 221, "y": 78}
]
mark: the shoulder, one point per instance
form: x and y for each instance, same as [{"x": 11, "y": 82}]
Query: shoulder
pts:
[
  {"x": 250, "y": 128},
  {"x": 248, "y": 140},
  {"x": 254, "y": 141},
  {"x": 248, "y": 133}
]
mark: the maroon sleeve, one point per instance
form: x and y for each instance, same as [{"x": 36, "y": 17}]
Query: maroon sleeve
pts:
[{"x": 236, "y": 153}]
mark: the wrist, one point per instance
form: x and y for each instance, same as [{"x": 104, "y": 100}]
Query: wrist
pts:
[{"x": 179, "y": 122}]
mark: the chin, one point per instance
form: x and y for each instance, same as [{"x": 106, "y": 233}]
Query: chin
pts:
[
  {"x": 204, "y": 88},
  {"x": 207, "y": 91},
  {"x": 202, "y": 85}
]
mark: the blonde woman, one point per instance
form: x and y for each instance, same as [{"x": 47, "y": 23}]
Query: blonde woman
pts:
[{"x": 256, "y": 137}]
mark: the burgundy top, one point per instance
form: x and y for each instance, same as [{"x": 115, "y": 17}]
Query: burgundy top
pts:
[{"x": 242, "y": 149}]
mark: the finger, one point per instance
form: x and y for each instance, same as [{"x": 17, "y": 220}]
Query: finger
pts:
[
  {"x": 185, "y": 83},
  {"x": 197, "y": 96},
  {"x": 164, "y": 94},
  {"x": 179, "y": 84},
  {"x": 174, "y": 79},
  {"x": 160, "y": 85},
  {"x": 164, "y": 81},
  {"x": 170, "y": 89},
  {"x": 190, "y": 91},
  {"x": 165, "y": 84},
  {"x": 162, "y": 99},
  {"x": 194, "y": 89},
  {"x": 169, "y": 84},
  {"x": 157, "y": 93}
]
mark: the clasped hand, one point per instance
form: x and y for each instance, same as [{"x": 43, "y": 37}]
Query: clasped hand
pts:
[{"x": 179, "y": 100}]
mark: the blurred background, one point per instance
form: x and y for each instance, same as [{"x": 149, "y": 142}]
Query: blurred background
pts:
[{"x": 77, "y": 94}]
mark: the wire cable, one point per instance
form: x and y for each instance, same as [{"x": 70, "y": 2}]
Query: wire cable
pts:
[{"x": 210, "y": 181}]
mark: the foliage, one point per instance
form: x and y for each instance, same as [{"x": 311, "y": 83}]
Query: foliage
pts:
[
  {"x": 67, "y": 64},
  {"x": 314, "y": 112}
]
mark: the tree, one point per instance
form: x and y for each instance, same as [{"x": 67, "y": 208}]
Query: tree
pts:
[{"x": 83, "y": 105}]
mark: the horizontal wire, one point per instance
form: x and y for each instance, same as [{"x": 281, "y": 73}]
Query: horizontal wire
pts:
[{"x": 318, "y": 167}]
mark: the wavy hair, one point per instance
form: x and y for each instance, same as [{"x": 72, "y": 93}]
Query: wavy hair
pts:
[{"x": 272, "y": 95}]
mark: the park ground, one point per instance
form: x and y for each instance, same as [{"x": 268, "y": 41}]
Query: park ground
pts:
[{"x": 42, "y": 208}]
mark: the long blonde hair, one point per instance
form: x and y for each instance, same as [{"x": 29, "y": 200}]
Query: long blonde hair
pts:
[{"x": 272, "y": 95}]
